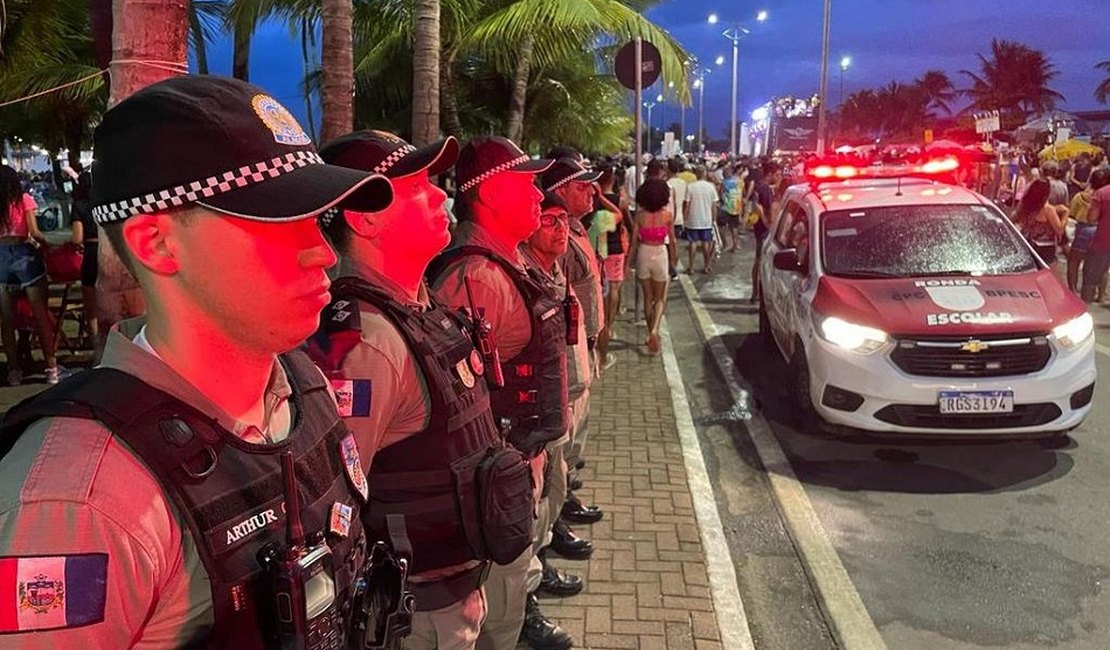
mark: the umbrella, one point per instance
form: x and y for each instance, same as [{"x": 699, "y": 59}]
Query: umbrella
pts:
[{"x": 1067, "y": 150}]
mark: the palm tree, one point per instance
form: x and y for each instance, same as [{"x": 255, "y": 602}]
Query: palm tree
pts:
[
  {"x": 337, "y": 65},
  {"x": 1014, "y": 80},
  {"x": 425, "y": 72},
  {"x": 939, "y": 93},
  {"x": 1102, "y": 93},
  {"x": 205, "y": 19}
]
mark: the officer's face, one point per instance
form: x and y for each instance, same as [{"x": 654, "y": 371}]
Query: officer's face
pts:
[
  {"x": 551, "y": 237},
  {"x": 579, "y": 198},
  {"x": 515, "y": 200},
  {"x": 262, "y": 283},
  {"x": 415, "y": 223}
]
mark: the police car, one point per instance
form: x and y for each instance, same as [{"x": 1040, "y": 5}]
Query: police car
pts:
[{"x": 907, "y": 305}]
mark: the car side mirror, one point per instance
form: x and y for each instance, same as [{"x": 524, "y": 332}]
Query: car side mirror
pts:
[{"x": 787, "y": 260}]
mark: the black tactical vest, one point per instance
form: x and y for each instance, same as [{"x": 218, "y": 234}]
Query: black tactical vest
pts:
[
  {"x": 465, "y": 495},
  {"x": 533, "y": 402},
  {"x": 228, "y": 493}
]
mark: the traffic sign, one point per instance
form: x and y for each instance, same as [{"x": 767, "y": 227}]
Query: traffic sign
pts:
[{"x": 625, "y": 65}]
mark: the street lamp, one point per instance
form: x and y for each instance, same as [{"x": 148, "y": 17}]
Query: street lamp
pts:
[
  {"x": 649, "y": 106},
  {"x": 734, "y": 34},
  {"x": 844, "y": 63},
  {"x": 699, "y": 84}
]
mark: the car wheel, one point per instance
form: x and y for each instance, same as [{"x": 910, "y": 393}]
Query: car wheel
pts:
[
  {"x": 764, "y": 323},
  {"x": 800, "y": 388}
]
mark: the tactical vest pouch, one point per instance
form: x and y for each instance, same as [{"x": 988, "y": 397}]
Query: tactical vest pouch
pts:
[{"x": 505, "y": 501}]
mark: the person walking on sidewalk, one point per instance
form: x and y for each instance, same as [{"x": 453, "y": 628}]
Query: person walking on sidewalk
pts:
[
  {"x": 653, "y": 246},
  {"x": 701, "y": 205},
  {"x": 422, "y": 422},
  {"x": 1098, "y": 255},
  {"x": 614, "y": 264},
  {"x": 498, "y": 206},
  {"x": 769, "y": 176}
]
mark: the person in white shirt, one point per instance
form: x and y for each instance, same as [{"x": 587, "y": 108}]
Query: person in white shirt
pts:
[
  {"x": 678, "y": 196},
  {"x": 701, "y": 205}
]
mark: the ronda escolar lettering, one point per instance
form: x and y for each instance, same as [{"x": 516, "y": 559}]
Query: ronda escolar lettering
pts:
[{"x": 969, "y": 318}]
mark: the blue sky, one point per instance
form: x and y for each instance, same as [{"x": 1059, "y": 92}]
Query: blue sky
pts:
[{"x": 886, "y": 39}]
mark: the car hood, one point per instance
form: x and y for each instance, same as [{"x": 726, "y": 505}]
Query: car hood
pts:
[{"x": 996, "y": 304}]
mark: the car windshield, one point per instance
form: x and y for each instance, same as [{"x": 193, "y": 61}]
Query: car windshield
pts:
[{"x": 903, "y": 241}]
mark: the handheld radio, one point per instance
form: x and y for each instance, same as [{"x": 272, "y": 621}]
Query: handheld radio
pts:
[
  {"x": 572, "y": 311},
  {"x": 483, "y": 340},
  {"x": 302, "y": 580}
]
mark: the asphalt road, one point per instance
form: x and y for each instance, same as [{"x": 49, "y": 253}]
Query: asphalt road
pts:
[{"x": 949, "y": 545}]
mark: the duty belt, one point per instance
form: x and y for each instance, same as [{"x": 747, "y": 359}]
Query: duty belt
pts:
[{"x": 450, "y": 590}]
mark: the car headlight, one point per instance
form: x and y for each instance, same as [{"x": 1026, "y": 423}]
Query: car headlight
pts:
[
  {"x": 1075, "y": 331},
  {"x": 857, "y": 338}
]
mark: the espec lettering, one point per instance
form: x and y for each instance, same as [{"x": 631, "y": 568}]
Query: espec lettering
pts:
[
  {"x": 1008, "y": 293},
  {"x": 969, "y": 318},
  {"x": 250, "y": 524}
]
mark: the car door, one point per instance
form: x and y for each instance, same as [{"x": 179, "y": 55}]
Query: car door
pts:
[
  {"x": 776, "y": 282},
  {"x": 795, "y": 284}
]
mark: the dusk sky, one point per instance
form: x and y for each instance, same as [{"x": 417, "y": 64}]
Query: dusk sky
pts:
[{"x": 886, "y": 39}]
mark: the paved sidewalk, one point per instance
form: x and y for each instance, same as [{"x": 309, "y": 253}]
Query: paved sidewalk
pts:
[{"x": 646, "y": 584}]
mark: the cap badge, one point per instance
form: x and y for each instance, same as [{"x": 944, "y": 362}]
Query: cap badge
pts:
[{"x": 279, "y": 120}]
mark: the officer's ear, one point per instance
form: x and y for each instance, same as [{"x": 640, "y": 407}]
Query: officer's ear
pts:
[
  {"x": 363, "y": 224},
  {"x": 148, "y": 242}
]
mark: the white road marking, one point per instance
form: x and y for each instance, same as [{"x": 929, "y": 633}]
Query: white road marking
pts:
[
  {"x": 732, "y": 622},
  {"x": 844, "y": 609}
]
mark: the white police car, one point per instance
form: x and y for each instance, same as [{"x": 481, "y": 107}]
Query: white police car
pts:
[{"x": 907, "y": 305}]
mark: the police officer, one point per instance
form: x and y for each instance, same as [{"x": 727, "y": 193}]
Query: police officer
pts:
[
  {"x": 413, "y": 389},
  {"x": 574, "y": 184},
  {"x": 137, "y": 497},
  {"x": 498, "y": 206}
]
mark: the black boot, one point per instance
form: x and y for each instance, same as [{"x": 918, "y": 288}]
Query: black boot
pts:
[
  {"x": 577, "y": 512},
  {"x": 557, "y": 583},
  {"x": 566, "y": 543},
  {"x": 540, "y": 632}
]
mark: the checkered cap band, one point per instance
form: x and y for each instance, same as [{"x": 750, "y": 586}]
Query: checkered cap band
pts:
[
  {"x": 206, "y": 188},
  {"x": 393, "y": 158},
  {"x": 328, "y": 216},
  {"x": 505, "y": 166},
  {"x": 577, "y": 174}
]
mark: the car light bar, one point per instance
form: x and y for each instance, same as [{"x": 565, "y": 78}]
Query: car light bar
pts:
[{"x": 839, "y": 171}]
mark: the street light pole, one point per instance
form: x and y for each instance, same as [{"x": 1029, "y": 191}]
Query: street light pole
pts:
[
  {"x": 735, "y": 33},
  {"x": 822, "y": 125},
  {"x": 649, "y": 106},
  {"x": 699, "y": 83}
]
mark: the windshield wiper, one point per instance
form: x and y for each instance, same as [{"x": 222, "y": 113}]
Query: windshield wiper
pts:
[
  {"x": 866, "y": 274},
  {"x": 949, "y": 274}
]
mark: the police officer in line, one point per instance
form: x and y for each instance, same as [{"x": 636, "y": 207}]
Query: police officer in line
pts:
[
  {"x": 498, "y": 206},
  {"x": 543, "y": 251},
  {"x": 412, "y": 388},
  {"x": 138, "y": 499},
  {"x": 572, "y": 182}
]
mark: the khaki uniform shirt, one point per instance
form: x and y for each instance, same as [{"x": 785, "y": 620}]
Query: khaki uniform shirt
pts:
[
  {"x": 584, "y": 274},
  {"x": 69, "y": 487},
  {"x": 494, "y": 292}
]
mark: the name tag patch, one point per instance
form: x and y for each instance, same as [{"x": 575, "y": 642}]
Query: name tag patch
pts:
[{"x": 52, "y": 592}]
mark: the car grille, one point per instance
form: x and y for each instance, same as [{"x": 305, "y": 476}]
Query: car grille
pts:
[
  {"x": 972, "y": 357},
  {"x": 930, "y": 417}
]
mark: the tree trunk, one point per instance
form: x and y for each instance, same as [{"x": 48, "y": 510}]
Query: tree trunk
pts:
[
  {"x": 425, "y": 72},
  {"x": 199, "y": 45},
  {"x": 448, "y": 100},
  {"x": 338, "y": 62},
  {"x": 241, "y": 50},
  {"x": 515, "y": 128},
  {"x": 142, "y": 30}
]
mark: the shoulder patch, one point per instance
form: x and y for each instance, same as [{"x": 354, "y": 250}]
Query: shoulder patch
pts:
[
  {"x": 52, "y": 592},
  {"x": 352, "y": 397}
]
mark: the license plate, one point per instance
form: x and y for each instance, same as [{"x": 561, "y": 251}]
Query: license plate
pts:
[{"x": 981, "y": 401}]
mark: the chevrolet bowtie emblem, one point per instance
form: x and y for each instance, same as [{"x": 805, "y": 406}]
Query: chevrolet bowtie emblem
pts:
[{"x": 974, "y": 346}]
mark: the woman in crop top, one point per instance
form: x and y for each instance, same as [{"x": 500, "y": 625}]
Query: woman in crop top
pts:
[
  {"x": 22, "y": 269},
  {"x": 653, "y": 248}
]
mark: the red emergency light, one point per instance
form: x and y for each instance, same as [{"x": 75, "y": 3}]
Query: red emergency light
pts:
[{"x": 840, "y": 171}]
